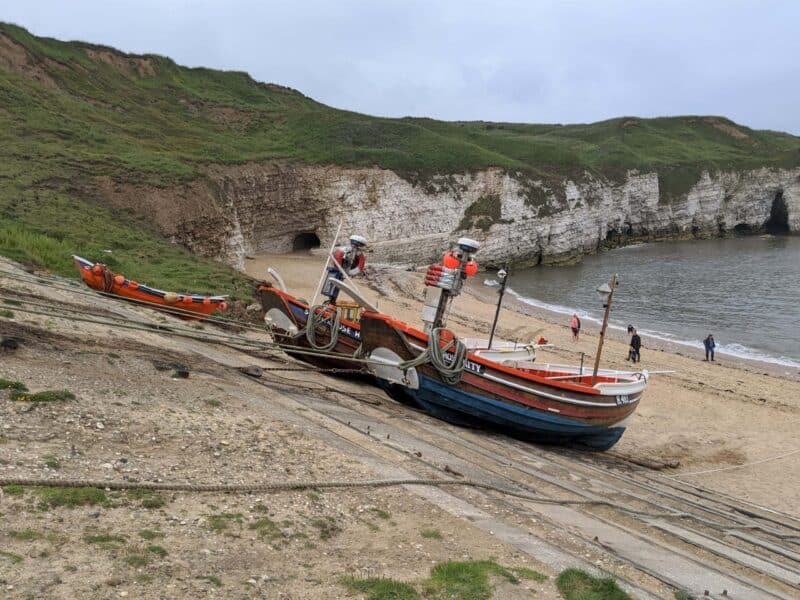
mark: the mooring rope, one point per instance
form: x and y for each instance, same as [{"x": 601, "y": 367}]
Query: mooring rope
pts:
[
  {"x": 290, "y": 486},
  {"x": 450, "y": 370},
  {"x": 732, "y": 467},
  {"x": 322, "y": 316}
]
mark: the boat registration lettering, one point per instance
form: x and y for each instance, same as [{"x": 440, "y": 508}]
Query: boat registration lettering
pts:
[
  {"x": 623, "y": 399},
  {"x": 473, "y": 367},
  {"x": 351, "y": 332},
  {"x": 468, "y": 364}
]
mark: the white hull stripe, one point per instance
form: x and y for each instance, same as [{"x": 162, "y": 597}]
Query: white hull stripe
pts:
[{"x": 540, "y": 393}]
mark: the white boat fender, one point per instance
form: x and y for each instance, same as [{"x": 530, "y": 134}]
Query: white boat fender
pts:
[
  {"x": 385, "y": 364},
  {"x": 277, "y": 319},
  {"x": 278, "y": 279}
]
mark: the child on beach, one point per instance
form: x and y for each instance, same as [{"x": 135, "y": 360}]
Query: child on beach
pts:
[{"x": 575, "y": 325}]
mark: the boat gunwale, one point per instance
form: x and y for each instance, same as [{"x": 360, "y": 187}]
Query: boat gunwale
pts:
[{"x": 419, "y": 335}]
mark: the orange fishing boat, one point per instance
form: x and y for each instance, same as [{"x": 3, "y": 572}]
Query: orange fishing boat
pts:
[{"x": 99, "y": 277}]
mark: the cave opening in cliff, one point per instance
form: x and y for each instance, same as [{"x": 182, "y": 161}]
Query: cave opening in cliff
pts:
[
  {"x": 308, "y": 240},
  {"x": 778, "y": 222}
]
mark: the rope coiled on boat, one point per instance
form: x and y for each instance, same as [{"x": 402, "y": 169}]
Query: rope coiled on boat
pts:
[
  {"x": 320, "y": 316},
  {"x": 450, "y": 370}
]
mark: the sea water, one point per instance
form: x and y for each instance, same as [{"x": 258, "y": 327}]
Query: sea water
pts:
[{"x": 745, "y": 291}]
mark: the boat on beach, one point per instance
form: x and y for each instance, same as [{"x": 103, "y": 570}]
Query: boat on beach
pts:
[
  {"x": 194, "y": 306},
  {"x": 332, "y": 340},
  {"x": 547, "y": 403},
  {"x": 478, "y": 383}
]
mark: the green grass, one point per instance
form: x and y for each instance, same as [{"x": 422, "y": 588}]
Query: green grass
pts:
[
  {"x": 381, "y": 589},
  {"x": 5, "y": 313},
  {"x": 326, "y": 527},
  {"x": 160, "y": 125},
  {"x": 482, "y": 213},
  {"x": 25, "y": 535},
  {"x": 575, "y": 584},
  {"x": 266, "y": 528},
  {"x": 431, "y": 534},
  {"x": 46, "y": 396},
  {"x": 157, "y": 550},
  {"x": 148, "y": 498},
  {"x": 104, "y": 538},
  {"x": 381, "y": 514},
  {"x": 14, "y": 490},
  {"x": 51, "y": 462},
  {"x": 149, "y": 534},
  {"x": 48, "y": 239},
  {"x": 7, "y": 384},
  {"x": 11, "y": 557},
  {"x": 466, "y": 580},
  {"x": 221, "y": 522},
  {"x": 683, "y": 595},
  {"x": 136, "y": 560},
  {"x": 70, "y": 497}
]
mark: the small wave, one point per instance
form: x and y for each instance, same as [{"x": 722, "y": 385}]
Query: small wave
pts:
[
  {"x": 557, "y": 308},
  {"x": 736, "y": 350},
  {"x": 632, "y": 247},
  {"x": 752, "y": 354}
]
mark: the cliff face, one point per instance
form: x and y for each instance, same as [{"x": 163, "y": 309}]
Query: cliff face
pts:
[{"x": 275, "y": 207}]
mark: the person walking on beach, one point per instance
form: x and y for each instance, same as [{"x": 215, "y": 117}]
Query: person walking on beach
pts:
[
  {"x": 575, "y": 325},
  {"x": 636, "y": 346},
  {"x": 710, "y": 345},
  {"x": 630, "y": 350}
]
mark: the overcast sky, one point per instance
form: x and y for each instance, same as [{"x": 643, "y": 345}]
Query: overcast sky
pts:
[{"x": 501, "y": 60}]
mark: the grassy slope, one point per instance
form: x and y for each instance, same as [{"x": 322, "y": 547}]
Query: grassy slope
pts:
[{"x": 164, "y": 124}]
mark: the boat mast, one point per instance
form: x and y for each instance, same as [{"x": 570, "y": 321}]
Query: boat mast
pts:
[
  {"x": 502, "y": 274},
  {"x": 327, "y": 262},
  {"x": 608, "y": 294},
  {"x": 450, "y": 279}
]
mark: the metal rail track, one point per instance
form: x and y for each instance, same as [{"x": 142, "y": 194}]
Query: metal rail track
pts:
[{"x": 777, "y": 573}]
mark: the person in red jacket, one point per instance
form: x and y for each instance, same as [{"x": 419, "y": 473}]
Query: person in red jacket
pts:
[{"x": 351, "y": 259}]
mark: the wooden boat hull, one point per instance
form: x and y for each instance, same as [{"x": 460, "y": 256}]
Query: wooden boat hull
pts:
[
  {"x": 494, "y": 396},
  {"x": 274, "y": 302},
  {"x": 101, "y": 278}
]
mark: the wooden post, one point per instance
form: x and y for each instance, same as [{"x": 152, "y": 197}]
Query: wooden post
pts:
[
  {"x": 499, "y": 303},
  {"x": 612, "y": 285}
]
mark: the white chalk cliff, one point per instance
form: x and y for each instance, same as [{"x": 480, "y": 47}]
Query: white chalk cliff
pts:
[{"x": 274, "y": 207}]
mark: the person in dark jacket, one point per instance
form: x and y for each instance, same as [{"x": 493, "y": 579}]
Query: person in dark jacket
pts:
[
  {"x": 630, "y": 350},
  {"x": 709, "y": 344},
  {"x": 636, "y": 346}
]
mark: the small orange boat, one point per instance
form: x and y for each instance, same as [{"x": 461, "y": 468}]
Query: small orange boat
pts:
[{"x": 99, "y": 277}]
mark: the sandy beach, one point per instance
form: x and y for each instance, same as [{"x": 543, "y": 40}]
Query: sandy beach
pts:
[{"x": 730, "y": 425}]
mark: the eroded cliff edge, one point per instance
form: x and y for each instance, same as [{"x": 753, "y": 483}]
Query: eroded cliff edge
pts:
[{"x": 277, "y": 207}]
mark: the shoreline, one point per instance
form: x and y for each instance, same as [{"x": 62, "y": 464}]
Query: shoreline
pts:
[
  {"x": 403, "y": 281},
  {"x": 486, "y": 294}
]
